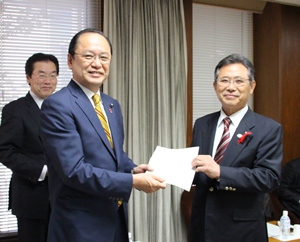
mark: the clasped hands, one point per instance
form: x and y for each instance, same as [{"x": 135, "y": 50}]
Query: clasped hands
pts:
[
  {"x": 207, "y": 165},
  {"x": 146, "y": 182}
]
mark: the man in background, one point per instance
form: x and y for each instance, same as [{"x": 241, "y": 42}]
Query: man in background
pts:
[
  {"x": 239, "y": 161},
  {"x": 90, "y": 175},
  {"x": 289, "y": 188},
  {"x": 21, "y": 150}
]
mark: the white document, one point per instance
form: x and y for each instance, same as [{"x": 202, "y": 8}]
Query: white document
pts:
[{"x": 174, "y": 165}]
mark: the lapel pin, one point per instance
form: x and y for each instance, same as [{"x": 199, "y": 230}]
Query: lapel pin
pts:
[
  {"x": 110, "y": 107},
  {"x": 243, "y": 137}
]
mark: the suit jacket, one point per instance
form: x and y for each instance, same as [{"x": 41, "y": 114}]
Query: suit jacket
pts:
[
  {"x": 232, "y": 209},
  {"x": 21, "y": 151},
  {"x": 86, "y": 176},
  {"x": 289, "y": 188}
]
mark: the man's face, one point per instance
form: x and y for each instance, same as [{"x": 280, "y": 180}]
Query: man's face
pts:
[
  {"x": 234, "y": 98},
  {"x": 91, "y": 62},
  {"x": 43, "y": 79}
]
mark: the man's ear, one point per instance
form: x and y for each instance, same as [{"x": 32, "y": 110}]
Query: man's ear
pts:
[
  {"x": 253, "y": 85},
  {"x": 28, "y": 79},
  {"x": 215, "y": 85},
  {"x": 70, "y": 61}
]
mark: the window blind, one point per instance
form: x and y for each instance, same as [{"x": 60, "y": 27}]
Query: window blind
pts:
[
  {"x": 27, "y": 27},
  {"x": 217, "y": 32}
]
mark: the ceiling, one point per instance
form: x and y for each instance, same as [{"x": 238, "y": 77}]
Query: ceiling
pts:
[
  {"x": 287, "y": 2},
  {"x": 256, "y": 6}
]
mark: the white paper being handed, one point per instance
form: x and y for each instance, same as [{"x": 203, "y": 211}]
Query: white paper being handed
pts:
[{"x": 174, "y": 165}]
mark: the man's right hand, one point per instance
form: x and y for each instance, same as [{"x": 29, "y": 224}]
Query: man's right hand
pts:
[{"x": 148, "y": 182}]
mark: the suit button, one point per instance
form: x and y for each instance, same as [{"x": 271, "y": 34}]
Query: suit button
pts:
[
  {"x": 234, "y": 189},
  {"x": 211, "y": 189},
  {"x": 230, "y": 188},
  {"x": 226, "y": 188}
]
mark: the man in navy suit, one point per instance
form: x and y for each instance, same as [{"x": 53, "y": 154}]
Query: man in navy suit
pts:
[
  {"x": 229, "y": 198},
  {"x": 90, "y": 181},
  {"x": 21, "y": 150}
]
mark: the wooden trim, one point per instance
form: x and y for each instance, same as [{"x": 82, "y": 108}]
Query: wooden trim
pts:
[
  {"x": 9, "y": 239},
  {"x": 188, "y": 13},
  {"x": 256, "y": 6}
]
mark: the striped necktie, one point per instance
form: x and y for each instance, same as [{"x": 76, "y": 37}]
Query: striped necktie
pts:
[
  {"x": 96, "y": 100},
  {"x": 98, "y": 109},
  {"x": 224, "y": 142}
]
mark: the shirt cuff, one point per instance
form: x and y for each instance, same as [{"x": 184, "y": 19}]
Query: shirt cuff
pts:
[{"x": 43, "y": 174}]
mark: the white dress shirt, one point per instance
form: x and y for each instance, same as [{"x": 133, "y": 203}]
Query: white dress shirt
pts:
[
  {"x": 235, "y": 121},
  {"x": 39, "y": 102}
]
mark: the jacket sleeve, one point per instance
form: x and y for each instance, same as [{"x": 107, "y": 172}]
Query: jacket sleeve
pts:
[
  {"x": 75, "y": 152},
  {"x": 20, "y": 148},
  {"x": 258, "y": 166}
]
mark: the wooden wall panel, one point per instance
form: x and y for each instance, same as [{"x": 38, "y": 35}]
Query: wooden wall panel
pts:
[
  {"x": 188, "y": 12},
  {"x": 266, "y": 62},
  {"x": 290, "y": 80},
  {"x": 277, "y": 64}
]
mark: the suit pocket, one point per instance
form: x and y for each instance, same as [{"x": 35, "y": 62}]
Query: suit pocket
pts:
[
  {"x": 75, "y": 200},
  {"x": 247, "y": 214},
  {"x": 86, "y": 203}
]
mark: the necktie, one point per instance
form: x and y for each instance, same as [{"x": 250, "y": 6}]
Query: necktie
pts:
[
  {"x": 96, "y": 100},
  {"x": 224, "y": 142}
]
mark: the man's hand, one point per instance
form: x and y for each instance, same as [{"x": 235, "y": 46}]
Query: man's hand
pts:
[
  {"x": 148, "y": 182},
  {"x": 141, "y": 169},
  {"x": 206, "y": 164}
]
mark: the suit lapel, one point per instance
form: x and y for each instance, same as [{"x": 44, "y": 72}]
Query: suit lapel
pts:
[
  {"x": 209, "y": 134},
  {"x": 112, "y": 116},
  {"x": 85, "y": 105},
  {"x": 33, "y": 109},
  {"x": 234, "y": 148}
]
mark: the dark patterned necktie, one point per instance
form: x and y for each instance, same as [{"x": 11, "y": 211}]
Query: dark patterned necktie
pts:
[{"x": 224, "y": 141}]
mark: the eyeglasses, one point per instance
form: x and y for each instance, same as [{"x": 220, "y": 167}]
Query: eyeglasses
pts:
[
  {"x": 90, "y": 57},
  {"x": 237, "y": 81},
  {"x": 43, "y": 76}
]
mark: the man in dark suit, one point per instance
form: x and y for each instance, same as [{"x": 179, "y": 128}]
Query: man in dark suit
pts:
[
  {"x": 21, "y": 150},
  {"x": 289, "y": 188},
  {"x": 231, "y": 183},
  {"x": 90, "y": 176}
]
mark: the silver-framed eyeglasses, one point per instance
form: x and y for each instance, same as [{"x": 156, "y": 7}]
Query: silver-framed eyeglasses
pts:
[
  {"x": 237, "y": 81},
  {"x": 43, "y": 76},
  {"x": 90, "y": 57}
]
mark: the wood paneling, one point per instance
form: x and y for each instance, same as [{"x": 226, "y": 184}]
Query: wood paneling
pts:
[
  {"x": 188, "y": 12},
  {"x": 277, "y": 64},
  {"x": 9, "y": 239},
  {"x": 249, "y": 5},
  {"x": 266, "y": 62}
]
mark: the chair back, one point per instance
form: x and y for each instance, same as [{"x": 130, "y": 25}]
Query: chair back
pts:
[
  {"x": 186, "y": 201},
  {"x": 277, "y": 209}
]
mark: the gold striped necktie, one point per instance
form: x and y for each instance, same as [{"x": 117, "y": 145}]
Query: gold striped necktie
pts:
[{"x": 96, "y": 100}]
